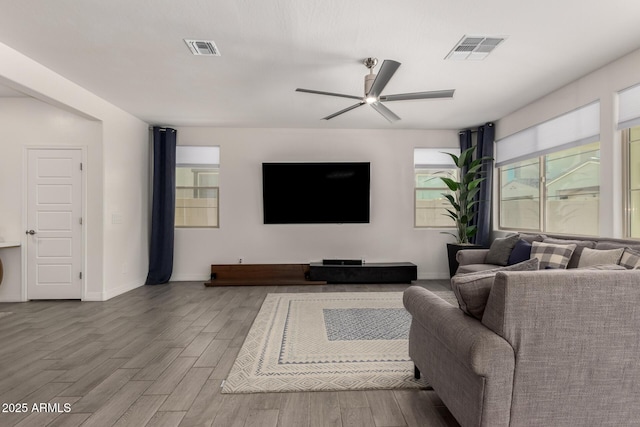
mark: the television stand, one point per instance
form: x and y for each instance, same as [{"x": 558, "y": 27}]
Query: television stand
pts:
[{"x": 387, "y": 272}]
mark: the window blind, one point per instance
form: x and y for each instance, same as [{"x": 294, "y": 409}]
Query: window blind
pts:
[
  {"x": 197, "y": 156},
  {"x": 577, "y": 127},
  {"x": 629, "y": 107},
  {"x": 433, "y": 158}
]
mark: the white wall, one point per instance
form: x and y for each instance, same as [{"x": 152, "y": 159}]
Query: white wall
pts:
[
  {"x": 390, "y": 236},
  {"x": 126, "y": 203},
  {"x": 117, "y": 254},
  {"x": 603, "y": 85},
  {"x": 27, "y": 122}
]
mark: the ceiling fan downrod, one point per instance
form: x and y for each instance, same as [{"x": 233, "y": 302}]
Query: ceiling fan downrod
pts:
[{"x": 370, "y": 63}]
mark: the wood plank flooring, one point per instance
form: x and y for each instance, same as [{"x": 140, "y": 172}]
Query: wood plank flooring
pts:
[{"x": 156, "y": 356}]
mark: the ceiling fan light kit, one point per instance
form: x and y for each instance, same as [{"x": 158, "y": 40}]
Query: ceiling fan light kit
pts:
[{"x": 374, "y": 84}]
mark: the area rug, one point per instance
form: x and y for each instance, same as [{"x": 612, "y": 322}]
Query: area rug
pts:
[{"x": 326, "y": 342}]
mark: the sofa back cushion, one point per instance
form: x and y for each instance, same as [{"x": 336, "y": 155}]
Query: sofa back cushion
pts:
[
  {"x": 472, "y": 289},
  {"x": 552, "y": 255}
]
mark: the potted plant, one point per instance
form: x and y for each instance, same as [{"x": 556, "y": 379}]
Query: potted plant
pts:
[{"x": 463, "y": 201}]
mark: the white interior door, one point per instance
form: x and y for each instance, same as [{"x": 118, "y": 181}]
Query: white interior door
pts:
[{"x": 54, "y": 224}]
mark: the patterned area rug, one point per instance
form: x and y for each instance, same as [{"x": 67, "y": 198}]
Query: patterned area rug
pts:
[{"x": 326, "y": 341}]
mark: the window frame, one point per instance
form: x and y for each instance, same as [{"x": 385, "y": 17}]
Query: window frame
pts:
[
  {"x": 198, "y": 169},
  {"x": 444, "y": 189},
  {"x": 626, "y": 182},
  {"x": 542, "y": 191}
]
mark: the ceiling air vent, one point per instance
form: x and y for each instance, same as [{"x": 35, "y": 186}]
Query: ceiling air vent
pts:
[
  {"x": 474, "y": 48},
  {"x": 203, "y": 47}
]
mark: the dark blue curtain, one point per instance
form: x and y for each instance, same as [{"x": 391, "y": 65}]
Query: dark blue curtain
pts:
[
  {"x": 163, "y": 210},
  {"x": 484, "y": 148},
  {"x": 465, "y": 142}
]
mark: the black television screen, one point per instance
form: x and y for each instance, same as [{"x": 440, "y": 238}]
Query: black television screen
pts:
[{"x": 315, "y": 193}]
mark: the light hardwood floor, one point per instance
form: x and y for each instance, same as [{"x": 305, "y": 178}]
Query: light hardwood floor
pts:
[{"x": 156, "y": 356}]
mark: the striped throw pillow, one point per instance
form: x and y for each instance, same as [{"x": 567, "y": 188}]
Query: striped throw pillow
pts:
[{"x": 630, "y": 258}]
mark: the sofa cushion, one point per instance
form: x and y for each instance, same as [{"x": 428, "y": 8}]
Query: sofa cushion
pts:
[
  {"x": 552, "y": 255},
  {"x": 603, "y": 267},
  {"x": 580, "y": 245},
  {"x": 532, "y": 237},
  {"x": 521, "y": 252},
  {"x": 596, "y": 257},
  {"x": 501, "y": 249},
  {"x": 630, "y": 258},
  {"x": 474, "y": 268},
  {"x": 472, "y": 289},
  {"x": 611, "y": 244}
]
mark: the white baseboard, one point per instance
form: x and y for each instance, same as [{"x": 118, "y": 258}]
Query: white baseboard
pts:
[
  {"x": 190, "y": 278},
  {"x": 433, "y": 276},
  {"x": 104, "y": 296}
]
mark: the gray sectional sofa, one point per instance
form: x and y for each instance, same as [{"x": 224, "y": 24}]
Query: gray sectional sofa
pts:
[{"x": 551, "y": 348}]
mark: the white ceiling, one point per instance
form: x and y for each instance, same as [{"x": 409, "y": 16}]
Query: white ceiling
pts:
[{"x": 131, "y": 53}]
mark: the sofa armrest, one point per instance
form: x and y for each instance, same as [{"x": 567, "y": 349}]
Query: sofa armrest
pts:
[
  {"x": 471, "y": 256},
  {"x": 478, "y": 348}
]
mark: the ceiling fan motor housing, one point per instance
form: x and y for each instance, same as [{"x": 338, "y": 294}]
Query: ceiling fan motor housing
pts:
[{"x": 368, "y": 82}]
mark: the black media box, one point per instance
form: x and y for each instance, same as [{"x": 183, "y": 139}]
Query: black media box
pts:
[{"x": 341, "y": 262}]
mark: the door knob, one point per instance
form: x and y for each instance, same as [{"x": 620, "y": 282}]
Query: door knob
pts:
[{"x": 32, "y": 232}]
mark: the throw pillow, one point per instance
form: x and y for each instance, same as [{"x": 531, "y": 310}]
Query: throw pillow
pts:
[
  {"x": 591, "y": 257},
  {"x": 554, "y": 256},
  {"x": 630, "y": 259},
  {"x": 501, "y": 249},
  {"x": 472, "y": 289},
  {"x": 580, "y": 245},
  {"x": 521, "y": 252}
]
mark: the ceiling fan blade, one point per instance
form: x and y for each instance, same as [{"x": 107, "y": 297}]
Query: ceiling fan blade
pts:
[
  {"x": 319, "y": 92},
  {"x": 343, "y": 111},
  {"x": 419, "y": 95},
  {"x": 386, "y": 113},
  {"x": 387, "y": 70}
]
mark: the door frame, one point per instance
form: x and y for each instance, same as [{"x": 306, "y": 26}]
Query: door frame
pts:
[{"x": 83, "y": 209}]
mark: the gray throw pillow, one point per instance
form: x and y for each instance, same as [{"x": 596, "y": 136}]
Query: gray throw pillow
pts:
[
  {"x": 472, "y": 289},
  {"x": 591, "y": 257},
  {"x": 552, "y": 256},
  {"x": 501, "y": 249},
  {"x": 630, "y": 259}
]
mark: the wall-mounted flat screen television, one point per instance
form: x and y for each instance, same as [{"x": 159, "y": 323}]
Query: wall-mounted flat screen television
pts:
[{"x": 315, "y": 193}]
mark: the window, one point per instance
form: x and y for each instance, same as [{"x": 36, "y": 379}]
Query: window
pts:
[
  {"x": 430, "y": 204},
  {"x": 570, "y": 192},
  {"x": 197, "y": 191},
  {"x": 520, "y": 195},
  {"x": 632, "y": 139},
  {"x": 550, "y": 175},
  {"x": 629, "y": 124}
]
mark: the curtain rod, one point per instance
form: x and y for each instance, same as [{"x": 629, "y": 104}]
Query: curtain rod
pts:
[
  {"x": 162, "y": 129},
  {"x": 490, "y": 124}
]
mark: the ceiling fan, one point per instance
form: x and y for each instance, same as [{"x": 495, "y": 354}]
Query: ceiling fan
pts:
[{"x": 374, "y": 84}]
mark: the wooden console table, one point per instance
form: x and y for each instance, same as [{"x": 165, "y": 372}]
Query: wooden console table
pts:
[{"x": 261, "y": 275}]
